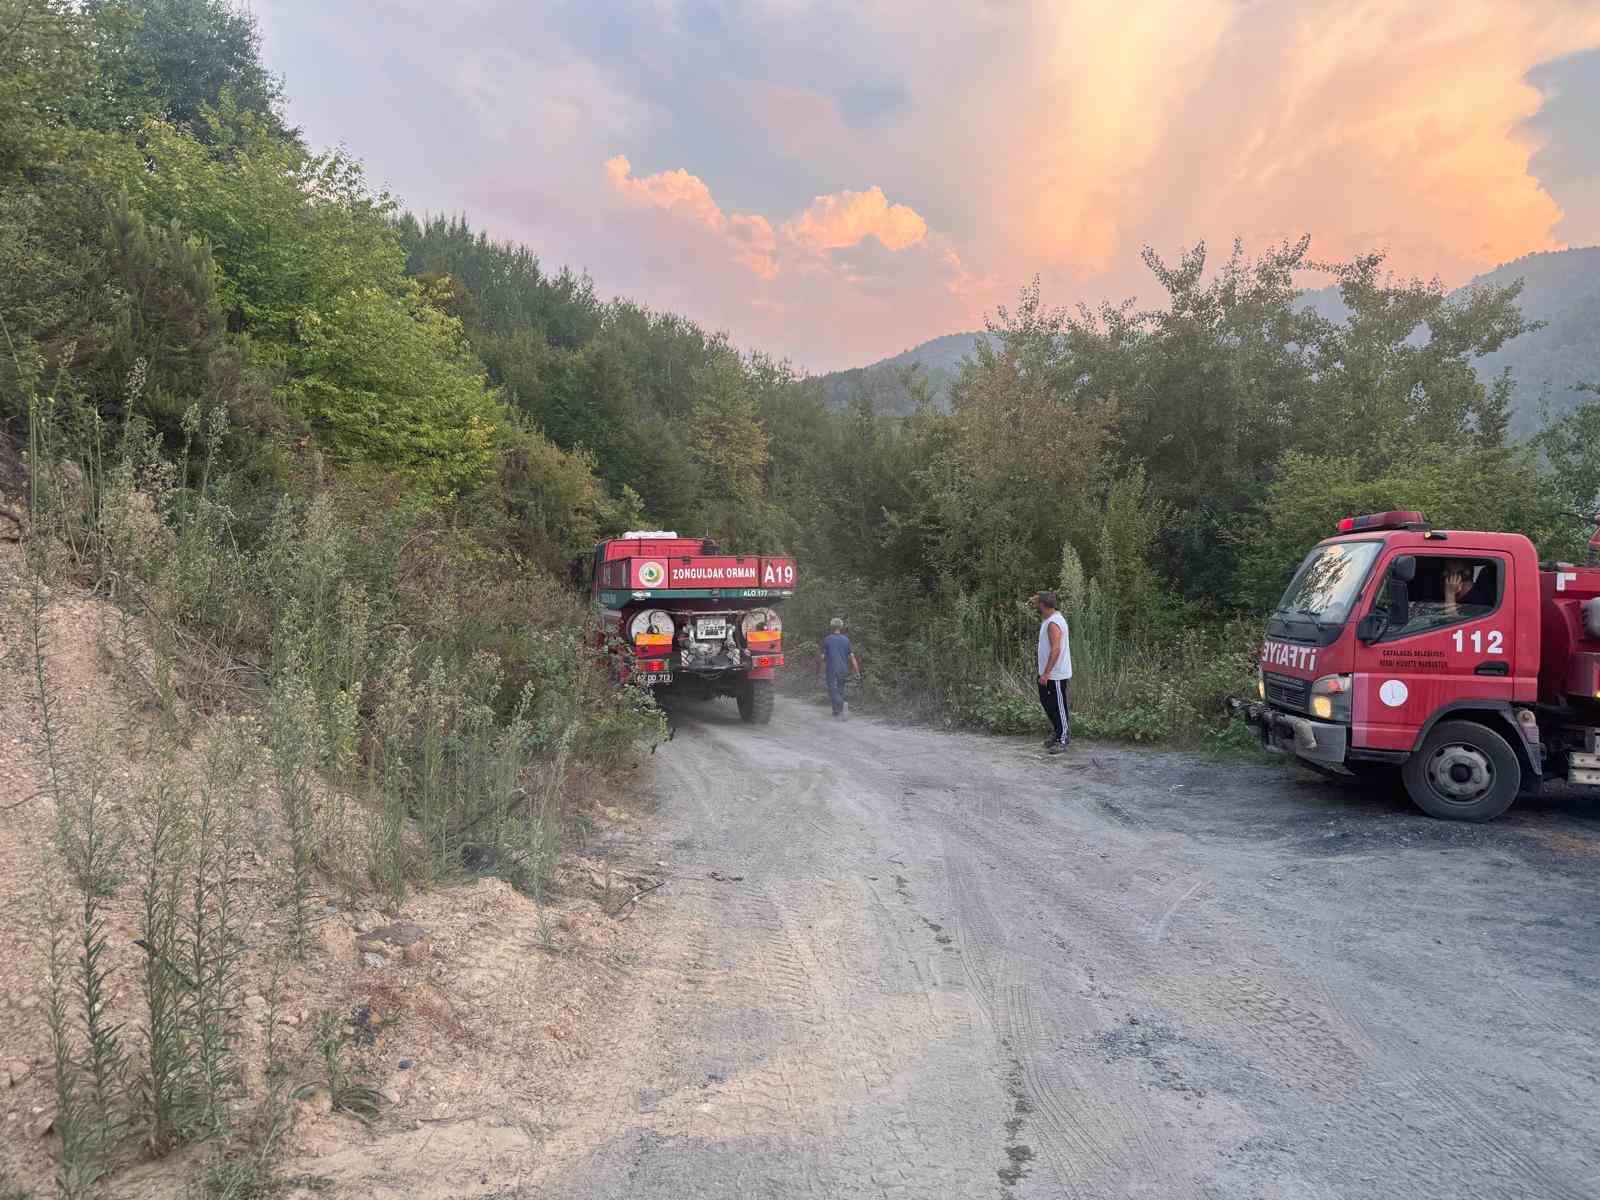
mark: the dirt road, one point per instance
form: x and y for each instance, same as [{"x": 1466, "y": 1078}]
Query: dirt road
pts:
[{"x": 904, "y": 963}]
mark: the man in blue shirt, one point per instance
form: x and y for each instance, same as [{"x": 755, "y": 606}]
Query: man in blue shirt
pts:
[{"x": 837, "y": 662}]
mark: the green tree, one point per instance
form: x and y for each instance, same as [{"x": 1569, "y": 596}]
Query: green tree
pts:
[
  {"x": 1454, "y": 487},
  {"x": 1398, "y": 370},
  {"x": 294, "y": 232},
  {"x": 187, "y": 55},
  {"x": 556, "y": 503},
  {"x": 389, "y": 380},
  {"x": 1130, "y": 539},
  {"x": 1011, "y": 473},
  {"x": 166, "y": 314},
  {"x": 729, "y": 446},
  {"x": 503, "y": 289},
  {"x": 1572, "y": 448},
  {"x": 62, "y": 100}
]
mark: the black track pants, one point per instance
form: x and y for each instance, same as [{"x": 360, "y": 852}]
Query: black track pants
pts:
[{"x": 1053, "y": 697}]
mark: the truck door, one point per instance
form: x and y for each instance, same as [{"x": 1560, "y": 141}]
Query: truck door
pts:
[{"x": 1456, "y": 643}]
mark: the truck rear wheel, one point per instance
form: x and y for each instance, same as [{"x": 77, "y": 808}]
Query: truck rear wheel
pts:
[
  {"x": 1464, "y": 772},
  {"x": 755, "y": 701}
]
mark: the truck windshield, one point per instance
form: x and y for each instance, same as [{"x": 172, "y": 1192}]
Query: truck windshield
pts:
[{"x": 1326, "y": 585}]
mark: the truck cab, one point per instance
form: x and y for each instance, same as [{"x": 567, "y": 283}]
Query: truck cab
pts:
[{"x": 1450, "y": 656}]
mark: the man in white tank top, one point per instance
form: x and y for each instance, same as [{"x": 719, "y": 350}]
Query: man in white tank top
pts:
[{"x": 1055, "y": 669}]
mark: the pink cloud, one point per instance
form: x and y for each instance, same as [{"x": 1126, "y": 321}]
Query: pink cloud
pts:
[
  {"x": 834, "y": 222},
  {"x": 674, "y": 191},
  {"x": 1080, "y": 132},
  {"x": 755, "y": 245},
  {"x": 847, "y": 219}
]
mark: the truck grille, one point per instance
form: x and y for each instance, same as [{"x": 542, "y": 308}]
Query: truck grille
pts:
[{"x": 1288, "y": 692}]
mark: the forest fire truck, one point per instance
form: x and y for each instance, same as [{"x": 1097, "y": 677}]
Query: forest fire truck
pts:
[
  {"x": 1454, "y": 658},
  {"x": 691, "y": 621}
]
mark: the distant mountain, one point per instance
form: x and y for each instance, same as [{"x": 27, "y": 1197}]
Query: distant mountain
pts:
[
  {"x": 891, "y": 381},
  {"x": 1561, "y": 288}
]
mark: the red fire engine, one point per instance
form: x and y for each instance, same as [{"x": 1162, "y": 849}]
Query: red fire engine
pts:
[
  {"x": 1456, "y": 658},
  {"x": 692, "y": 621}
]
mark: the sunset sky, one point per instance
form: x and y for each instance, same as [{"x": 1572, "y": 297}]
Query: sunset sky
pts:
[{"x": 837, "y": 181}]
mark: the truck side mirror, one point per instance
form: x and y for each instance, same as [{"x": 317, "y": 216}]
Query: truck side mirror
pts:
[
  {"x": 1404, "y": 568},
  {"x": 1371, "y": 627}
]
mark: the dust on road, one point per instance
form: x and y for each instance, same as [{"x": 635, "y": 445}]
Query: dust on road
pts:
[{"x": 954, "y": 967}]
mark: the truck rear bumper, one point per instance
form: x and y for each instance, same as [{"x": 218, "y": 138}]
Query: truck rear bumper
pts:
[{"x": 1322, "y": 742}]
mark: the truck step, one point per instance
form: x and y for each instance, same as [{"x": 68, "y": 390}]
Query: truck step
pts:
[{"x": 1583, "y": 769}]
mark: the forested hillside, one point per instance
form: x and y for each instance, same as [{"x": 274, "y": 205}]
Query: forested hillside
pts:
[
  {"x": 180, "y": 276},
  {"x": 1548, "y": 365}
]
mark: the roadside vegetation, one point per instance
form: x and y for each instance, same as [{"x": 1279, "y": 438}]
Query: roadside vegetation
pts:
[{"x": 327, "y": 555}]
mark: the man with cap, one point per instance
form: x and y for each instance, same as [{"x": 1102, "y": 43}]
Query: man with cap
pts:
[
  {"x": 1055, "y": 669},
  {"x": 837, "y": 662}
]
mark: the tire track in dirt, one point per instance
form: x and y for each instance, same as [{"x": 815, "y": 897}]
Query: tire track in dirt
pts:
[
  {"x": 953, "y": 968},
  {"x": 1096, "y": 1133},
  {"x": 1286, "y": 1036},
  {"x": 1469, "y": 1134},
  {"x": 832, "y": 1083}
]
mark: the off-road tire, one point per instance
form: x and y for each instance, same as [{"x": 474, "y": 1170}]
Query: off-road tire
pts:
[
  {"x": 755, "y": 702},
  {"x": 1464, "y": 772}
]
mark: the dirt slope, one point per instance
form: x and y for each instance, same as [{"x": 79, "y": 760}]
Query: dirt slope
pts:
[
  {"x": 905, "y": 963},
  {"x": 472, "y": 1034}
]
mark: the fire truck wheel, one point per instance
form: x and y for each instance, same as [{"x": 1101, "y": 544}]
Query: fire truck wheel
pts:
[
  {"x": 755, "y": 701},
  {"x": 1464, "y": 772}
]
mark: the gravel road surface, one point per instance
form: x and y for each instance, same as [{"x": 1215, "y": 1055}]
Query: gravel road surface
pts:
[{"x": 904, "y": 963}]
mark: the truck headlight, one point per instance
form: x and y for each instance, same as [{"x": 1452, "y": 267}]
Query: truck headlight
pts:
[
  {"x": 1261, "y": 685},
  {"x": 1330, "y": 698}
]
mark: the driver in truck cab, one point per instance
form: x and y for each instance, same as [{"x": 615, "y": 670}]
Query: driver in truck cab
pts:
[{"x": 1450, "y": 589}]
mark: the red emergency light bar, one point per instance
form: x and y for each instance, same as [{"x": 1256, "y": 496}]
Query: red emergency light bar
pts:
[{"x": 1396, "y": 519}]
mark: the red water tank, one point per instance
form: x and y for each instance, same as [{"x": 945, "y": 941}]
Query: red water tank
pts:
[{"x": 1569, "y": 635}]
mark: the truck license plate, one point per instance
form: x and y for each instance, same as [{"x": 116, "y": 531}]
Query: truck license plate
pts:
[
  {"x": 711, "y": 630},
  {"x": 655, "y": 678}
]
